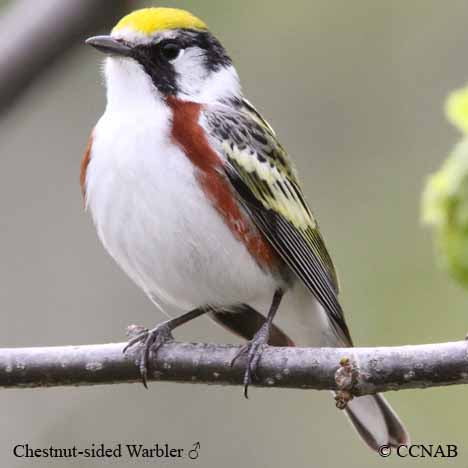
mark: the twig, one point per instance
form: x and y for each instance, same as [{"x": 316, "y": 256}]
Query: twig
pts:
[
  {"x": 373, "y": 369},
  {"x": 35, "y": 34}
]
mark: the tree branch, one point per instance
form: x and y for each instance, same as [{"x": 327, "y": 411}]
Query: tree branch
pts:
[
  {"x": 35, "y": 34},
  {"x": 357, "y": 370}
]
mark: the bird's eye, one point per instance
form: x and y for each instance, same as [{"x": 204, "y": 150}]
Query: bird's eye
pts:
[{"x": 170, "y": 50}]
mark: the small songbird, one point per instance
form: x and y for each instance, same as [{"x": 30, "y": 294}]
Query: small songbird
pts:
[{"x": 197, "y": 201}]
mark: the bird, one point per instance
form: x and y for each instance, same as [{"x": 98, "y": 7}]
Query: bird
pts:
[{"x": 195, "y": 198}]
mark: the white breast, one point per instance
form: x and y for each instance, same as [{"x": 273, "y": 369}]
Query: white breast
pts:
[{"x": 156, "y": 222}]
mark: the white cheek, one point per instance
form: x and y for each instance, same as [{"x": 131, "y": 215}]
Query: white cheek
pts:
[
  {"x": 219, "y": 85},
  {"x": 191, "y": 71}
]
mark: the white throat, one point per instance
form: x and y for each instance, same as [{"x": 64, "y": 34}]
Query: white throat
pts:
[{"x": 129, "y": 88}]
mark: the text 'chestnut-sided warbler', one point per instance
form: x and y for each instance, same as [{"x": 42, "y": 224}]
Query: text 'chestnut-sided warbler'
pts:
[{"x": 198, "y": 202}]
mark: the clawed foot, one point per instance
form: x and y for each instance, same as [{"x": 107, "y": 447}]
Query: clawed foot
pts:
[
  {"x": 253, "y": 349},
  {"x": 151, "y": 341}
]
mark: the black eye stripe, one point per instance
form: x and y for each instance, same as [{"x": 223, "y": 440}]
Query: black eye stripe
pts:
[
  {"x": 170, "y": 49},
  {"x": 160, "y": 65}
]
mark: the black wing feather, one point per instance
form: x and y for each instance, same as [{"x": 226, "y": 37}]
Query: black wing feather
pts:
[
  {"x": 265, "y": 180},
  {"x": 296, "y": 253}
]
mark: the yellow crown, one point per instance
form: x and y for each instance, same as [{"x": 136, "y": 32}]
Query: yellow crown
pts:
[{"x": 150, "y": 20}]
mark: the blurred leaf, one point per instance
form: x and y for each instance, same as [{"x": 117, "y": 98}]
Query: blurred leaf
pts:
[
  {"x": 445, "y": 198},
  {"x": 457, "y": 109}
]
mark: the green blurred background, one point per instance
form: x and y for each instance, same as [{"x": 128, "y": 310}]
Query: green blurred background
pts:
[{"x": 355, "y": 91}]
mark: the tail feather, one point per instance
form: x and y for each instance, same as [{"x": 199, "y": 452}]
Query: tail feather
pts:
[
  {"x": 306, "y": 322},
  {"x": 308, "y": 325},
  {"x": 376, "y": 422}
]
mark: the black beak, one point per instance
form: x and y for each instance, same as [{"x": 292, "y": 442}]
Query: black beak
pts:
[{"x": 109, "y": 45}]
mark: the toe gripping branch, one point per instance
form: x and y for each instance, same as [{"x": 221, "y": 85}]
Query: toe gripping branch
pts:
[
  {"x": 151, "y": 341},
  {"x": 253, "y": 350}
]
